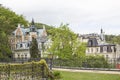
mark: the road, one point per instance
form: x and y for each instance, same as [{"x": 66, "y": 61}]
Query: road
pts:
[{"x": 90, "y": 71}]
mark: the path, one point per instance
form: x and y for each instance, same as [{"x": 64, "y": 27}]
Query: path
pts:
[{"x": 91, "y": 71}]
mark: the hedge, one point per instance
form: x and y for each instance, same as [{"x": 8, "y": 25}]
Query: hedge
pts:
[{"x": 25, "y": 71}]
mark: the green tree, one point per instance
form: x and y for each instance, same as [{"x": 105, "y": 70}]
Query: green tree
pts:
[
  {"x": 96, "y": 62},
  {"x": 64, "y": 43},
  {"x": 5, "y": 52},
  {"x": 9, "y": 20},
  {"x": 34, "y": 51},
  {"x": 114, "y": 39},
  {"x": 79, "y": 48}
]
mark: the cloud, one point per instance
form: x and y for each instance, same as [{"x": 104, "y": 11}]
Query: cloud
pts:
[{"x": 84, "y": 16}]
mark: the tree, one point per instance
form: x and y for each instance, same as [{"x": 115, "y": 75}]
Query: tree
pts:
[
  {"x": 34, "y": 51},
  {"x": 64, "y": 42},
  {"x": 9, "y": 20},
  {"x": 5, "y": 52},
  {"x": 96, "y": 62},
  {"x": 114, "y": 39}
]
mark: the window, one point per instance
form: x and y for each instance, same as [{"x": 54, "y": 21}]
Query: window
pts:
[
  {"x": 105, "y": 48},
  {"x": 27, "y": 33},
  {"x": 28, "y": 45},
  {"x": 92, "y": 50},
  {"x": 25, "y": 56},
  {"x": 22, "y": 56},
  {"x": 33, "y": 29},
  {"x": 18, "y": 56},
  {"x": 20, "y": 45},
  {"x": 90, "y": 43},
  {"x": 97, "y": 49},
  {"x": 16, "y": 46}
]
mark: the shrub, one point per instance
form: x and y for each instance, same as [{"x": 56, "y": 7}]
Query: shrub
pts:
[{"x": 57, "y": 75}]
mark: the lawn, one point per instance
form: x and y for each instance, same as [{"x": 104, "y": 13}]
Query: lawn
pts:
[{"x": 88, "y": 76}]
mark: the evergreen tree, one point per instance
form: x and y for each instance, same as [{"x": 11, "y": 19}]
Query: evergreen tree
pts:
[{"x": 34, "y": 51}]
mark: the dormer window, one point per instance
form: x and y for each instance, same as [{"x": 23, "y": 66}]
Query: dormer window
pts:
[
  {"x": 33, "y": 29},
  {"x": 90, "y": 43},
  {"x": 27, "y": 33}
]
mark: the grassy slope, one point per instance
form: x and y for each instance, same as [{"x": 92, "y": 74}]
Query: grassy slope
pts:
[{"x": 88, "y": 76}]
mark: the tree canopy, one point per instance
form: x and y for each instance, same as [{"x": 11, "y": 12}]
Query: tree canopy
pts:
[
  {"x": 8, "y": 22},
  {"x": 5, "y": 52},
  {"x": 65, "y": 43},
  {"x": 115, "y": 39}
]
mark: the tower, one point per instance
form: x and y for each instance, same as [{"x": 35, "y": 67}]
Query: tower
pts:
[
  {"x": 102, "y": 36},
  {"x": 32, "y": 27}
]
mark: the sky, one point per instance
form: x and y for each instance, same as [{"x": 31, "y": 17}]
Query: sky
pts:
[{"x": 83, "y": 16}]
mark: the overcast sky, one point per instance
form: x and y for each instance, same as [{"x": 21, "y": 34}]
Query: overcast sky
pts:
[{"x": 83, "y": 16}]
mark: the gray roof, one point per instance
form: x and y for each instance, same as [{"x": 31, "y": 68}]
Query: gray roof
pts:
[
  {"x": 25, "y": 30},
  {"x": 93, "y": 42}
]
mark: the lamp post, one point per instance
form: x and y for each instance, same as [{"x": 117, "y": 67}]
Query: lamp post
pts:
[{"x": 50, "y": 61}]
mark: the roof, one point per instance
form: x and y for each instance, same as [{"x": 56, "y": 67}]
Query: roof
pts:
[
  {"x": 25, "y": 30},
  {"x": 93, "y": 42}
]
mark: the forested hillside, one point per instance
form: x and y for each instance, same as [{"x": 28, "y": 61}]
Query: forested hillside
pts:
[
  {"x": 8, "y": 22},
  {"x": 115, "y": 39}
]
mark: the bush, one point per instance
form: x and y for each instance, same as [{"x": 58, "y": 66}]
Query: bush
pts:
[
  {"x": 96, "y": 62},
  {"x": 73, "y": 62},
  {"x": 89, "y": 61},
  {"x": 56, "y": 75}
]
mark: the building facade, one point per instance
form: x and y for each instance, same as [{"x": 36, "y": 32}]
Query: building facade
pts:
[
  {"x": 96, "y": 45},
  {"x": 21, "y": 39}
]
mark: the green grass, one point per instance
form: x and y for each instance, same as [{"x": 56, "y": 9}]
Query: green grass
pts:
[{"x": 88, "y": 76}]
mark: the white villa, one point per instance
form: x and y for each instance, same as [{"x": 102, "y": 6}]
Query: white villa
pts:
[
  {"x": 96, "y": 45},
  {"x": 21, "y": 38}
]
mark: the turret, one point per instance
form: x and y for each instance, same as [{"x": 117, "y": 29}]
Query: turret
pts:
[
  {"x": 32, "y": 27},
  {"x": 102, "y": 36}
]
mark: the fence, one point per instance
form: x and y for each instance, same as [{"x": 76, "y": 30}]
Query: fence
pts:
[
  {"x": 79, "y": 64},
  {"x": 26, "y": 71}
]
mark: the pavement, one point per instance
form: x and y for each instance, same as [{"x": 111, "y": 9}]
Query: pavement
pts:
[{"x": 90, "y": 71}]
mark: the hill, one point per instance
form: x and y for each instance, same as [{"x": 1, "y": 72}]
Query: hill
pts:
[{"x": 8, "y": 23}]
